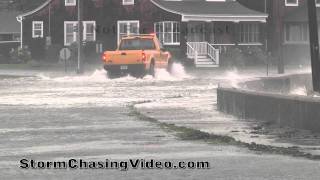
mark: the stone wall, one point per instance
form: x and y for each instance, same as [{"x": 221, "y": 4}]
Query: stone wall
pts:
[{"x": 267, "y": 100}]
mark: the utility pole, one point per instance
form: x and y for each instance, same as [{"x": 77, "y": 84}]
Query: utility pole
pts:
[
  {"x": 79, "y": 38},
  {"x": 314, "y": 44},
  {"x": 266, "y": 31},
  {"x": 280, "y": 32}
]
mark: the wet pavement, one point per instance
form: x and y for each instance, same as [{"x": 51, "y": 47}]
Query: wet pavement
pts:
[{"x": 54, "y": 117}]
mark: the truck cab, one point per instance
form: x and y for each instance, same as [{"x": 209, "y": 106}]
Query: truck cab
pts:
[{"x": 137, "y": 55}]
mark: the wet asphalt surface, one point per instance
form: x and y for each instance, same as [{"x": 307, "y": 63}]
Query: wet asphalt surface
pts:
[{"x": 52, "y": 118}]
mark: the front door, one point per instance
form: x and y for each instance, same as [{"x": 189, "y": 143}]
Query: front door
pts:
[{"x": 127, "y": 28}]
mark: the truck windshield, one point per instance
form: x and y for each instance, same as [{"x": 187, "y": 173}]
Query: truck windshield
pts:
[{"x": 137, "y": 44}]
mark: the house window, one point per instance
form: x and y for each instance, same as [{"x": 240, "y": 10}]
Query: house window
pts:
[
  {"x": 70, "y": 2},
  {"x": 37, "y": 29},
  {"x": 168, "y": 32},
  {"x": 127, "y": 28},
  {"x": 127, "y": 2},
  {"x": 292, "y": 2},
  {"x": 71, "y": 31},
  {"x": 296, "y": 33},
  {"x": 317, "y": 3},
  {"x": 89, "y": 31},
  {"x": 249, "y": 33}
]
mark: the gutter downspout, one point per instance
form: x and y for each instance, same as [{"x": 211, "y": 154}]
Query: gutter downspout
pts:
[
  {"x": 20, "y": 20},
  {"x": 265, "y": 6}
]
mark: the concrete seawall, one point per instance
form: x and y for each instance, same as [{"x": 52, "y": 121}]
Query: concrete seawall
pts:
[{"x": 267, "y": 100}]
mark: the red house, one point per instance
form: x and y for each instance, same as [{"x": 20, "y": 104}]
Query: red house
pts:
[
  {"x": 201, "y": 30},
  {"x": 287, "y": 28},
  {"x": 295, "y": 30},
  {"x": 9, "y": 33}
]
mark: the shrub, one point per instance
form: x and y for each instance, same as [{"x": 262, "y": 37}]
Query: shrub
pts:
[
  {"x": 255, "y": 55},
  {"x": 20, "y": 55},
  {"x": 243, "y": 56}
]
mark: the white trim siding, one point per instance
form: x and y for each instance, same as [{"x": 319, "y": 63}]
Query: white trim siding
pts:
[
  {"x": 236, "y": 19},
  {"x": 168, "y": 32},
  {"x": 296, "y": 33},
  {"x": 248, "y": 33},
  {"x": 213, "y": 17},
  {"x": 89, "y": 33},
  {"x": 127, "y": 2},
  {"x": 70, "y": 2},
  {"x": 70, "y": 35},
  {"x": 35, "y": 10},
  {"x": 19, "y": 19},
  {"x": 292, "y": 2},
  {"x": 129, "y": 30},
  {"x": 37, "y": 29}
]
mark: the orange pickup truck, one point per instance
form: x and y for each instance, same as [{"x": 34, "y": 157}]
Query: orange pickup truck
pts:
[{"x": 137, "y": 55}]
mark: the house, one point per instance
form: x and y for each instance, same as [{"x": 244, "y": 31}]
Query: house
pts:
[
  {"x": 287, "y": 28},
  {"x": 202, "y": 30},
  {"x": 9, "y": 33},
  {"x": 295, "y": 32}
]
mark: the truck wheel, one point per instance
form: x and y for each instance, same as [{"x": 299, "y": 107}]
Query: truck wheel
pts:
[
  {"x": 152, "y": 71},
  {"x": 112, "y": 74},
  {"x": 109, "y": 74},
  {"x": 170, "y": 66}
]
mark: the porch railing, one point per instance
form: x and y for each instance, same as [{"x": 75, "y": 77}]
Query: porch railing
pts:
[
  {"x": 213, "y": 53},
  {"x": 198, "y": 49},
  {"x": 192, "y": 53}
]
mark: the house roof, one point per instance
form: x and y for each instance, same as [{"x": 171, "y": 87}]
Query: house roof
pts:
[
  {"x": 300, "y": 14},
  {"x": 9, "y": 23},
  {"x": 199, "y": 10},
  {"x": 193, "y": 10},
  {"x": 35, "y": 10}
]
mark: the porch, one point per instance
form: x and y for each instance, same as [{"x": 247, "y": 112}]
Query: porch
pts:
[
  {"x": 207, "y": 41},
  {"x": 210, "y": 28}
]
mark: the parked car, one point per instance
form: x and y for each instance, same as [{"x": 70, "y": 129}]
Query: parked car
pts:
[{"x": 137, "y": 55}]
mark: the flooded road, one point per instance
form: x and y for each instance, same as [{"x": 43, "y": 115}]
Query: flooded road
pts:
[{"x": 54, "y": 118}]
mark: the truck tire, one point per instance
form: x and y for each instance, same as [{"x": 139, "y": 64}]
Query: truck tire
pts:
[
  {"x": 110, "y": 74},
  {"x": 170, "y": 66},
  {"x": 152, "y": 71},
  {"x": 113, "y": 74}
]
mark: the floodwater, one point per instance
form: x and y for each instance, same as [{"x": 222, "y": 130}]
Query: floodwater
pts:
[{"x": 50, "y": 117}]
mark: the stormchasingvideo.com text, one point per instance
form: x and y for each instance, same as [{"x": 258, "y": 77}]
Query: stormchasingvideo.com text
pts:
[{"x": 113, "y": 164}]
